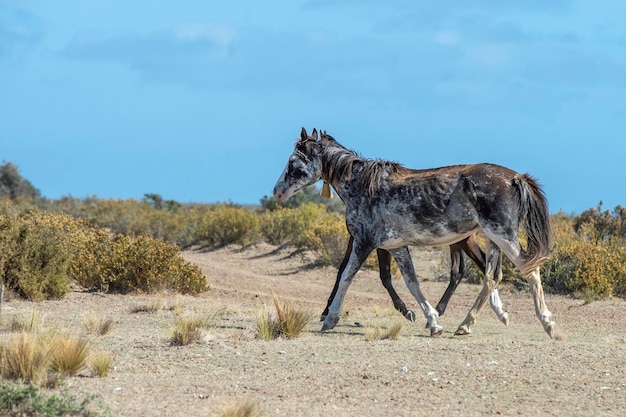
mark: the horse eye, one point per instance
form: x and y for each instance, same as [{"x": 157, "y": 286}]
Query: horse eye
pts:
[{"x": 295, "y": 172}]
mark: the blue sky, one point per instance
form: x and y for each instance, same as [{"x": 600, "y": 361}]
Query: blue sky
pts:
[{"x": 201, "y": 101}]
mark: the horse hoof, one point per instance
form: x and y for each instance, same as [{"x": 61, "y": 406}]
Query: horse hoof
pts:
[
  {"x": 462, "y": 331},
  {"x": 436, "y": 330},
  {"x": 323, "y": 317},
  {"x": 504, "y": 318},
  {"x": 553, "y": 331},
  {"x": 410, "y": 316},
  {"x": 329, "y": 323}
]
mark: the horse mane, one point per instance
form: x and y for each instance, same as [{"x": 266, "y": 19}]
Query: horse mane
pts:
[{"x": 338, "y": 164}]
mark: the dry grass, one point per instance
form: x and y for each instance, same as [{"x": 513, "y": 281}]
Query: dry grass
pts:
[
  {"x": 151, "y": 307},
  {"x": 100, "y": 362},
  {"x": 25, "y": 358},
  {"x": 26, "y": 323},
  {"x": 247, "y": 408},
  {"x": 68, "y": 354},
  {"x": 97, "y": 324},
  {"x": 377, "y": 333},
  {"x": 189, "y": 329},
  {"x": 288, "y": 321}
]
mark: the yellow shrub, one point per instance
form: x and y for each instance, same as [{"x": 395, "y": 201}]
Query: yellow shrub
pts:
[
  {"x": 225, "y": 225},
  {"x": 593, "y": 269}
]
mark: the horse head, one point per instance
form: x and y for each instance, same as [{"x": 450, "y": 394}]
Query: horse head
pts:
[{"x": 303, "y": 168}]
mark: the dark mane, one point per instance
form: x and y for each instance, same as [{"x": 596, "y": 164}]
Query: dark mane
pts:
[{"x": 338, "y": 164}]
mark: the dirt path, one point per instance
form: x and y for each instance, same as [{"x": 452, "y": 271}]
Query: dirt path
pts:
[{"x": 515, "y": 370}]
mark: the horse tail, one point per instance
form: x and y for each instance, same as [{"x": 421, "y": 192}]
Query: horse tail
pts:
[{"x": 535, "y": 220}]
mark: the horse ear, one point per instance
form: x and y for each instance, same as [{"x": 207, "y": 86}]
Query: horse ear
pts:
[
  {"x": 303, "y": 134},
  {"x": 314, "y": 134},
  {"x": 325, "y": 138}
]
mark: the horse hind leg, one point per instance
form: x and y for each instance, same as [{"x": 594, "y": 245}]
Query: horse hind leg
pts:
[
  {"x": 541, "y": 310},
  {"x": 384, "y": 266},
  {"x": 472, "y": 249},
  {"x": 493, "y": 276}
]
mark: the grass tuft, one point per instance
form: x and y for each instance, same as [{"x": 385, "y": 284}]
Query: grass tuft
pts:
[
  {"x": 288, "y": 321},
  {"x": 24, "y": 359},
  {"x": 100, "y": 363},
  {"x": 189, "y": 329},
  {"x": 151, "y": 307},
  {"x": 377, "y": 333},
  {"x": 247, "y": 408},
  {"x": 68, "y": 354},
  {"x": 97, "y": 324}
]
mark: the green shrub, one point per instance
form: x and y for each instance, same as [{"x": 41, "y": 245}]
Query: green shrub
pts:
[
  {"x": 580, "y": 265},
  {"x": 328, "y": 237},
  {"x": 225, "y": 225},
  {"x": 28, "y": 400},
  {"x": 36, "y": 250},
  {"x": 166, "y": 220},
  {"x": 136, "y": 265}
]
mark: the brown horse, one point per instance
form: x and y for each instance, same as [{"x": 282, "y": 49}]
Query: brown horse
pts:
[{"x": 390, "y": 207}]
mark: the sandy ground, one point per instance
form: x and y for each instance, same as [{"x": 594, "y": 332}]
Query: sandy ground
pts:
[{"x": 498, "y": 370}]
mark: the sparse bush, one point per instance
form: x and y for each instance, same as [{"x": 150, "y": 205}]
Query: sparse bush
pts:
[{"x": 225, "y": 225}]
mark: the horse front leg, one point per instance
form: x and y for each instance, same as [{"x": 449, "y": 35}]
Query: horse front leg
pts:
[
  {"x": 356, "y": 258},
  {"x": 384, "y": 267},
  {"x": 342, "y": 267},
  {"x": 493, "y": 276},
  {"x": 403, "y": 259}
]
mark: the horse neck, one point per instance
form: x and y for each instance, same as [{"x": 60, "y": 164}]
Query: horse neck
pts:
[{"x": 342, "y": 169}]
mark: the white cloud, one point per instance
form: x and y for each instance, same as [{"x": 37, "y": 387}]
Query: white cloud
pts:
[
  {"x": 447, "y": 38},
  {"x": 221, "y": 35}
]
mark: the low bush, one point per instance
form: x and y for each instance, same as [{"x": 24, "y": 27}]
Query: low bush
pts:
[
  {"x": 28, "y": 400},
  {"x": 36, "y": 250},
  {"x": 581, "y": 265},
  {"x": 225, "y": 225},
  {"x": 136, "y": 265}
]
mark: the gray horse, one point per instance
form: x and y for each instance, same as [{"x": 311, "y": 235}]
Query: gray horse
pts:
[{"x": 390, "y": 207}]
